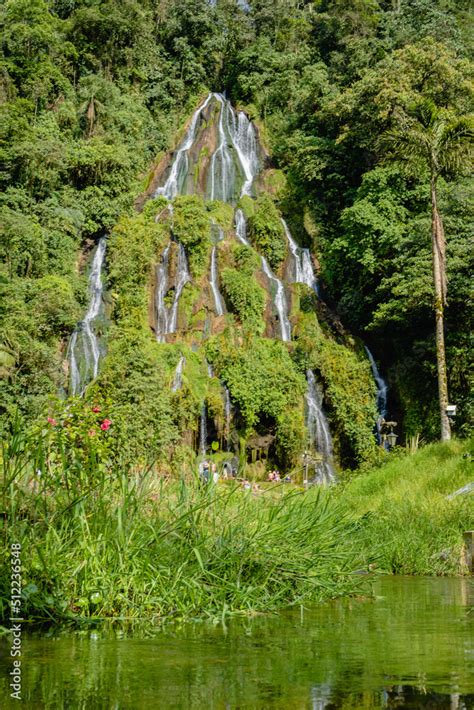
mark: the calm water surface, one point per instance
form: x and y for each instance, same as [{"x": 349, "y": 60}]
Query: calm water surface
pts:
[{"x": 411, "y": 647}]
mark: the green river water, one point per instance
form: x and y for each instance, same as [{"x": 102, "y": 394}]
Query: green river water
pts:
[{"x": 410, "y": 647}]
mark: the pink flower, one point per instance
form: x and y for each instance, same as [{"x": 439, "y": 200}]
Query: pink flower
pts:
[
  {"x": 92, "y": 432},
  {"x": 52, "y": 421},
  {"x": 96, "y": 409},
  {"x": 105, "y": 424}
]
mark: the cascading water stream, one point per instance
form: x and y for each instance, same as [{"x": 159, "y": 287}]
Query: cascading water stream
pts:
[
  {"x": 237, "y": 145},
  {"x": 280, "y": 301},
  {"x": 244, "y": 139},
  {"x": 179, "y": 166},
  {"x": 84, "y": 351},
  {"x": 318, "y": 430},
  {"x": 203, "y": 430},
  {"x": 181, "y": 280},
  {"x": 280, "y": 298},
  {"x": 381, "y": 392},
  {"x": 178, "y": 374},
  {"x": 241, "y": 228},
  {"x": 304, "y": 272},
  {"x": 222, "y": 173},
  {"x": 166, "y": 318},
  {"x": 381, "y": 385},
  {"x": 218, "y": 300}
]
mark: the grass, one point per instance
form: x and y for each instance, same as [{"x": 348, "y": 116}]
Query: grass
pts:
[
  {"x": 100, "y": 541},
  {"x": 405, "y": 518}
]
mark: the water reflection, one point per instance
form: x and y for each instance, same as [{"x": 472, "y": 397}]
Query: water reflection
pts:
[{"x": 411, "y": 647}]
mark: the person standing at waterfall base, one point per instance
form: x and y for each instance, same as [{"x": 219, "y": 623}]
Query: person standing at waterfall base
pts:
[{"x": 204, "y": 472}]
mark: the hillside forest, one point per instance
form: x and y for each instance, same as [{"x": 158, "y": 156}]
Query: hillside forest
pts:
[{"x": 357, "y": 109}]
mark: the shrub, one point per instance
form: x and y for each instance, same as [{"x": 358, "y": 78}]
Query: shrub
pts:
[
  {"x": 262, "y": 379},
  {"x": 246, "y": 299},
  {"x": 266, "y": 231},
  {"x": 191, "y": 227}
]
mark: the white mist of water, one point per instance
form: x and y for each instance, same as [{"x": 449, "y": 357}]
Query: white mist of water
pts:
[
  {"x": 280, "y": 301},
  {"x": 203, "y": 430},
  {"x": 318, "y": 430},
  {"x": 381, "y": 385},
  {"x": 303, "y": 266},
  {"x": 179, "y": 166},
  {"x": 178, "y": 374},
  {"x": 166, "y": 317},
  {"x": 84, "y": 345},
  {"x": 219, "y": 303}
]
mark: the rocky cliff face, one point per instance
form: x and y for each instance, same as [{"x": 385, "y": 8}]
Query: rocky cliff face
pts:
[{"x": 233, "y": 302}]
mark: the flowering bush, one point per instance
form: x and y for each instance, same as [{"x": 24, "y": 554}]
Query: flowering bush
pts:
[{"x": 76, "y": 431}]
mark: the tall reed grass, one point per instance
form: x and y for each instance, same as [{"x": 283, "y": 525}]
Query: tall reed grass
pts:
[
  {"x": 101, "y": 540},
  {"x": 405, "y": 517}
]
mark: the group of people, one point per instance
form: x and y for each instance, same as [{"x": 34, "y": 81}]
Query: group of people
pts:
[
  {"x": 208, "y": 473},
  {"x": 274, "y": 476}
]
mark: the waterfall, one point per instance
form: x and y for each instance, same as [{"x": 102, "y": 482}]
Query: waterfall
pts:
[
  {"x": 318, "y": 430},
  {"x": 241, "y": 227},
  {"x": 381, "y": 393},
  {"x": 84, "y": 351},
  {"x": 222, "y": 174},
  {"x": 280, "y": 301},
  {"x": 304, "y": 272},
  {"x": 180, "y": 164},
  {"x": 244, "y": 139},
  {"x": 178, "y": 374},
  {"x": 236, "y": 135},
  {"x": 280, "y": 298},
  {"x": 381, "y": 385},
  {"x": 166, "y": 318},
  {"x": 203, "y": 430},
  {"x": 210, "y": 371},
  {"x": 234, "y": 129},
  {"x": 214, "y": 284}
]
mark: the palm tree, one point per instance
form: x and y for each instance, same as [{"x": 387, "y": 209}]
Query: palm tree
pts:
[{"x": 429, "y": 136}]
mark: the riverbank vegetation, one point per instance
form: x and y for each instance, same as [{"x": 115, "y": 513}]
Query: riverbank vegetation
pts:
[
  {"x": 101, "y": 538},
  {"x": 406, "y": 517}
]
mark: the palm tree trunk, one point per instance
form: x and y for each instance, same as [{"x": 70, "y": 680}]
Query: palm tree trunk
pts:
[{"x": 439, "y": 278}]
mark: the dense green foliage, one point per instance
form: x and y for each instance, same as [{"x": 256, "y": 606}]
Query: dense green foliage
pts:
[
  {"x": 191, "y": 226},
  {"x": 91, "y": 92},
  {"x": 246, "y": 298},
  {"x": 349, "y": 385},
  {"x": 266, "y": 231}
]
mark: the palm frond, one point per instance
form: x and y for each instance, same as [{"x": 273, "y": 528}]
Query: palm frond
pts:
[{"x": 455, "y": 145}]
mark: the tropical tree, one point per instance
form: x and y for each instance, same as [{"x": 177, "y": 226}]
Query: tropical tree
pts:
[{"x": 440, "y": 142}]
